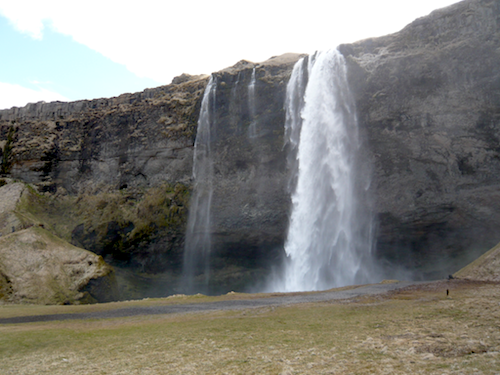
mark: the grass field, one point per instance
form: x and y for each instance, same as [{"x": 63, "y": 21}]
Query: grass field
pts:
[{"x": 419, "y": 330}]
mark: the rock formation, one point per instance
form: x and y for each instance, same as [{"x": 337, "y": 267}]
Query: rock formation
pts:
[
  {"x": 250, "y": 200},
  {"x": 140, "y": 139},
  {"x": 39, "y": 267},
  {"x": 428, "y": 100},
  {"x": 115, "y": 174}
]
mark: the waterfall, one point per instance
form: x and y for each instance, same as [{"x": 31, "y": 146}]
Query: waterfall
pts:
[
  {"x": 252, "y": 129},
  {"x": 329, "y": 239},
  {"x": 198, "y": 234}
]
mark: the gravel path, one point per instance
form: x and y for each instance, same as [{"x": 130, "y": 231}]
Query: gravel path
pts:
[{"x": 219, "y": 305}]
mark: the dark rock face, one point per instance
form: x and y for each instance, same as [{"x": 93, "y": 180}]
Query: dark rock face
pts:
[
  {"x": 428, "y": 99},
  {"x": 140, "y": 139},
  {"x": 108, "y": 158},
  {"x": 250, "y": 202}
]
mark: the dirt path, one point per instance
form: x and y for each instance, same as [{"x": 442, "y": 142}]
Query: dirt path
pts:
[{"x": 285, "y": 299}]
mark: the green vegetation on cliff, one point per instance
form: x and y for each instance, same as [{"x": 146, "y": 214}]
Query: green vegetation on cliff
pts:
[
  {"x": 6, "y": 152},
  {"x": 136, "y": 227}
]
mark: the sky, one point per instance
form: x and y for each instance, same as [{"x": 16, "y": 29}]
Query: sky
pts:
[{"x": 71, "y": 49}]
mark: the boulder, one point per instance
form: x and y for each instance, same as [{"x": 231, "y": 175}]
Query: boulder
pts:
[{"x": 39, "y": 268}]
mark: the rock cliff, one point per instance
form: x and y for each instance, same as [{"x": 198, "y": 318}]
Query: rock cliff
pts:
[
  {"x": 141, "y": 139},
  {"x": 428, "y": 99},
  {"x": 250, "y": 201},
  {"x": 113, "y": 175},
  {"x": 116, "y": 173}
]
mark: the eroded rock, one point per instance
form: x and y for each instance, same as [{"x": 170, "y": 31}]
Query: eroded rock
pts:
[{"x": 38, "y": 267}]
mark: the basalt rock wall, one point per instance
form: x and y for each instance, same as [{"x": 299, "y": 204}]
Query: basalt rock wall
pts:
[
  {"x": 428, "y": 99},
  {"x": 137, "y": 139},
  {"x": 250, "y": 202},
  {"x": 116, "y": 173}
]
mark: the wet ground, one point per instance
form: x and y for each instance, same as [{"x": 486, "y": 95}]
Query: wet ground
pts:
[{"x": 274, "y": 300}]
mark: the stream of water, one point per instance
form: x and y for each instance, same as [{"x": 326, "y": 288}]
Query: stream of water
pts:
[
  {"x": 198, "y": 234},
  {"x": 252, "y": 129},
  {"x": 329, "y": 238}
]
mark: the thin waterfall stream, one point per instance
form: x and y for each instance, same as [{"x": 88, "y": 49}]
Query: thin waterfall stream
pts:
[
  {"x": 252, "y": 129},
  {"x": 198, "y": 234}
]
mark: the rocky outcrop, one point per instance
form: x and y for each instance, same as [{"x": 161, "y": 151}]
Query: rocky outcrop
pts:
[
  {"x": 141, "y": 139},
  {"x": 484, "y": 268},
  {"x": 38, "y": 267},
  {"x": 10, "y": 195},
  {"x": 428, "y": 99}
]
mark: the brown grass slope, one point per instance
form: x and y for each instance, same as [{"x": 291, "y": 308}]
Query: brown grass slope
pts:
[{"x": 484, "y": 268}]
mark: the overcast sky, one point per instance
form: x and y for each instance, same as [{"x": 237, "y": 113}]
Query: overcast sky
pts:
[{"x": 72, "y": 49}]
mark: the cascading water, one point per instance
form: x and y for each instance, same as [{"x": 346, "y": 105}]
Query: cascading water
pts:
[
  {"x": 252, "y": 129},
  {"x": 198, "y": 235},
  {"x": 329, "y": 237}
]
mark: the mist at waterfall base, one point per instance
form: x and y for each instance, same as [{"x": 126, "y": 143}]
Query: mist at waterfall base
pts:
[{"x": 331, "y": 231}]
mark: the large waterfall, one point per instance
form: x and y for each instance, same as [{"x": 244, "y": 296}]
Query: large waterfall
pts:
[
  {"x": 329, "y": 239},
  {"x": 198, "y": 235}
]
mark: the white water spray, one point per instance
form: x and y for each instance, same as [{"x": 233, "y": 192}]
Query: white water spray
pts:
[
  {"x": 198, "y": 235},
  {"x": 329, "y": 239}
]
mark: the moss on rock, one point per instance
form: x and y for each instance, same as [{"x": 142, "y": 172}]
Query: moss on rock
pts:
[{"x": 141, "y": 228}]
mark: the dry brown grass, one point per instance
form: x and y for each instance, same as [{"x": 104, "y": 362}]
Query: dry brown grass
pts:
[{"x": 419, "y": 330}]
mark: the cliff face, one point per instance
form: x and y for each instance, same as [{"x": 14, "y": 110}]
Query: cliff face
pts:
[
  {"x": 428, "y": 99},
  {"x": 139, "y": 139},
  {"x": 116, "y": 173},
  {"x": 250, "y": 202}
]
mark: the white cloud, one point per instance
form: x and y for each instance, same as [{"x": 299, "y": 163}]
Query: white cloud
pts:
[
  {"x": 27, "y": 18},
  {"x": 161, "y": 39},
  {"x": 18, "y": 96}
]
